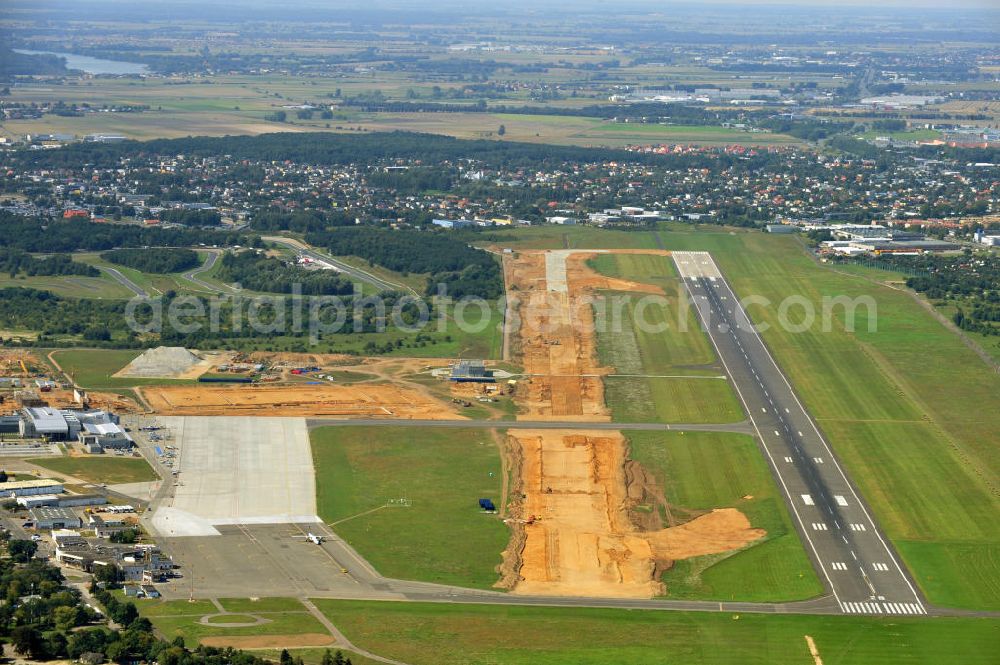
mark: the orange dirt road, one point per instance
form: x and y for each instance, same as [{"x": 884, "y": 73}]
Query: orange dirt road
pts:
[{"x": 372, "y": 400}]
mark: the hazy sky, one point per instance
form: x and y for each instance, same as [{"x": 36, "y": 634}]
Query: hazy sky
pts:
[{"x": 652, "y": 4}]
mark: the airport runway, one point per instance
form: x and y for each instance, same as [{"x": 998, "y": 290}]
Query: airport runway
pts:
[{"x": 848, "y": 549}]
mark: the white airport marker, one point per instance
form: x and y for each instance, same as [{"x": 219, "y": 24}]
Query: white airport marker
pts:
[
  {"x": 788, "y": 459},
  {"x": 808, "y": 500},
  {"x": 858, "y": 527},
  {"x": 841, "y": 501},
  {"x": 818, "y": 460}
]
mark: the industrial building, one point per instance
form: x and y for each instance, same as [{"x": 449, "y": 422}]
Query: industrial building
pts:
[
  {"x": 97, "y": 429},
  {"x": 74, "y": 500},
  {"x": 38, "y": 500},
  {"x": 471, "y": 371},
  {"x": 64, "y": 501},
  {"x": 10, "y": 425},
  {"x": 106, "y": 527},
  {"x": 53, "y": 517},
  {"x": 101, "y": 436},
  {"x": 453, "y": 223},
  {"x": 44, "y": 421},
  {"x": 16, "y": 488}
]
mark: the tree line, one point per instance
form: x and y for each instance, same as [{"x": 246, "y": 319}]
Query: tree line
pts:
[
  {"x": 969, "y": 282},
  {"x": 18, "y": 262},
  {"x": 43, "y": 619},
  {"x": 272, "y": 275},
  {"x": 36, "y": 234},
  {"x": 327, "y": 149},
  {"x": 154, "y": 259},
  {"x": 103, "y": 323},
  {"x": 465, "y": 270}
]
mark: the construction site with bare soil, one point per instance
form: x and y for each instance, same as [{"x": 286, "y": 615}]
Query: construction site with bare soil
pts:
[
  {"x": 369, "y": 400},
  {"x": 575, "y": 526}
]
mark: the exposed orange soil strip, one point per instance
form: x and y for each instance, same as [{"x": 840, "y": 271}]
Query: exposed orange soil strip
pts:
[
  {"x": 63, "y": 399},
  {"x": 573, "y": 533},
  {"x": 373, "y": 400},
  {"x": 580, "y": 540},
  {"x": 557, "y": 341}
]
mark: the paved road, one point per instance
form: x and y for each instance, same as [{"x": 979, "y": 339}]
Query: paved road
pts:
[
  {"x": 743, "y": 427},
  {"x": 124, "y": 281},
  {"x": 848, "y": 549},
  {"x": 370, "y": 585},
  {"x": 356, "y": 273},
  {"x": 192, "y": 275}
]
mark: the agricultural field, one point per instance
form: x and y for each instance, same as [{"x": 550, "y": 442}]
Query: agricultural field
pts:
[
  {"x": 704, "y": 470},
  {"x": 106, "y": 469},
  {"x": 669, "y": 370},
  {"x": 445, "y": 633},
  {"x": 440, "y": 534},
  {"x": 913, "y": 434},
  {"x": 223, "y": 105}
]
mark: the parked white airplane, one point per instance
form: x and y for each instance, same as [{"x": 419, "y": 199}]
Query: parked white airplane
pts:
[{"x": 312, "y": 537}]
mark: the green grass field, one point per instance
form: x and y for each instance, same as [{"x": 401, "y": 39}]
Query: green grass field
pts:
[
  {"x": 442, "y": 537},
  {"x": 569, "y": 237},
  {"x": 100, "y": 469},
  {"x": 705, "y": 470},
  {"x": 93, "y": 368},
  {"x": 445, "y": 634},
  {"x": 661, "y": 343},
  {"x": 439, "y": 339},
  {"x": 174, "y": 618},
  {"x": 907, "y": 408},
  {"x": 70, "y": 286}
]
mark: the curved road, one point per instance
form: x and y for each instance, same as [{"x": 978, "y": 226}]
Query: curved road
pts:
[
  {"x": 209, "y": 263},
  {"x": 351, "y": 271},
  {"x": 124, "y": 281}
]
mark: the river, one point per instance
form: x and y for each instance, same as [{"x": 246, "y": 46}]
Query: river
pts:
[{"x": 93, "y": 65}]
